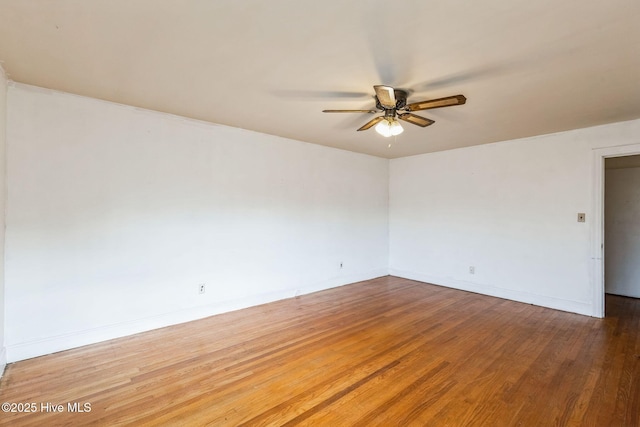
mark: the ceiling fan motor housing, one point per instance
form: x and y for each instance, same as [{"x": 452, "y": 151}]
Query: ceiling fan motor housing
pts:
[
  {"x": 401, "y": 98},
  {"x": 401, "y": 101}
]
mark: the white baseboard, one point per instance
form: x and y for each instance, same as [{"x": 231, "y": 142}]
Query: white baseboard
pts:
[
  {"x": 52, "y": 344},
  {"x": 3, "y": 360},
  {"x": 510, "y": 294}
]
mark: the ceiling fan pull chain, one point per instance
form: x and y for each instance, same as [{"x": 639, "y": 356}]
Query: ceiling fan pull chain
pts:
[{"x": 395, "y": 138}]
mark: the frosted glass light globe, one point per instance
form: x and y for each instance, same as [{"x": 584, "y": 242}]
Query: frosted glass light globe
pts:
[{"x": 389, "y": 127}]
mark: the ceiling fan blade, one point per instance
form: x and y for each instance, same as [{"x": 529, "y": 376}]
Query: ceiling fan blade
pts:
[
  {"x": 415, "y": 119},
  {"x": 371, "y": 123},
  {"x": 350, "y": 111},
  {"x": 386, "y": 96},
  {"x": 437, "y": 103}
]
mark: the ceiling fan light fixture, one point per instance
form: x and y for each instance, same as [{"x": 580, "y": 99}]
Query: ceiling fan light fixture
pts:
[
  {"x": 383, "y": 128},
  {"x": 395, "y": 128},
  {"x": 389, "y": 127}
]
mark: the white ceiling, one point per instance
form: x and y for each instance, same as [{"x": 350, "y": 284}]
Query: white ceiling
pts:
[{"x": 526, "y": 67}]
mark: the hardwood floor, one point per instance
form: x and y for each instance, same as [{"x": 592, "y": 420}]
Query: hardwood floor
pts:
[{"x": 384, "y": 352}]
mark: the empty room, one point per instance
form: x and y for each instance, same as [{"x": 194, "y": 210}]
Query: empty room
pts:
[{"x": 330, "y": 213}]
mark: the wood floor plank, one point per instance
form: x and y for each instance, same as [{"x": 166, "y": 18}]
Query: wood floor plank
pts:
[{"x": 386, "y": 352}]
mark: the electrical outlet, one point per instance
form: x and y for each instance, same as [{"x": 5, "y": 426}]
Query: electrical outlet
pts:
[
  {"x": 472, "y": 269},
  {"x": 201, "y": 288}
]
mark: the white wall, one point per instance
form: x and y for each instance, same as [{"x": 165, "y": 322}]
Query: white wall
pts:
[
  {"x": 3, "y": 195},
  {"x": 116, "y": 214},
  {"x": 622, "y": 231},
  {"x": 508, "y": 209}
]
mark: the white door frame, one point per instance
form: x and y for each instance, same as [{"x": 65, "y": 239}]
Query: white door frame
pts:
[{"x": 597, "y": 225}]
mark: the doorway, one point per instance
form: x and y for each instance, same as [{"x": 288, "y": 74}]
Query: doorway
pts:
[
  {"x": 622, "y": 226},
  {"x": 597, "y": 226}
]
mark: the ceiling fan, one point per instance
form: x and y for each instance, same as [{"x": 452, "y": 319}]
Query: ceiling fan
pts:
[{"x": 393, "y": 103}]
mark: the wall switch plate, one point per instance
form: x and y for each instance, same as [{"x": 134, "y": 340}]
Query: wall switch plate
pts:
[{"x": 581, "y": 217}]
